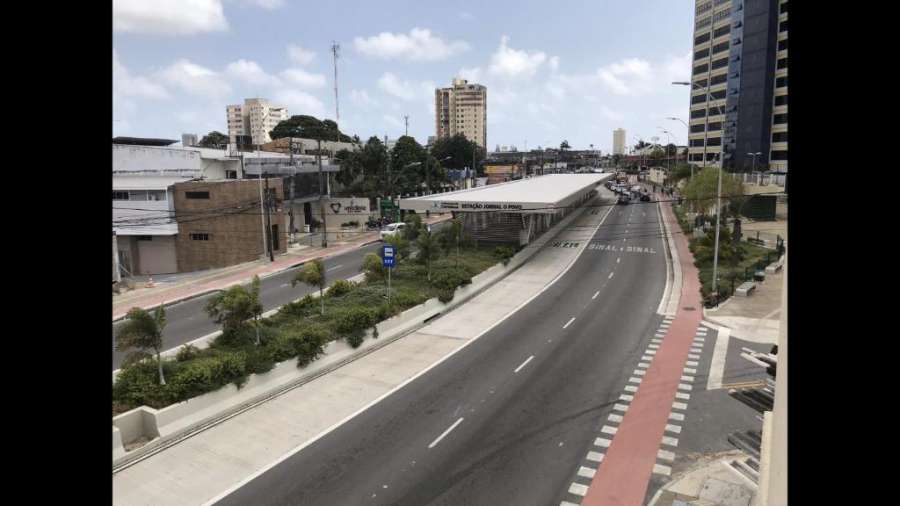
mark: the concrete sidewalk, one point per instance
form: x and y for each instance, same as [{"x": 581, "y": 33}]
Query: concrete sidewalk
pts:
[
  {"x": 189, "y": 286},
  {"x": 756, "y": 318},
  {"x": 241, "y": 447}
]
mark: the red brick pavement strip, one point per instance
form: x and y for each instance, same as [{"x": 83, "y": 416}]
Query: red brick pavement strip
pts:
[{"x": 624, "y": 474}]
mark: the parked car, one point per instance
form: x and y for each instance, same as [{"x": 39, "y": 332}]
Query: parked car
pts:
[
  {"x": 392, "y": 229},
  {"x": 645, "y": 198},
  {"x": 623, "y": 200}
]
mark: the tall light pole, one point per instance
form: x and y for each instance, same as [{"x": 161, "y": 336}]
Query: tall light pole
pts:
[
  {"x": 719, "y": 190},
  {"x": 687, "y": 135},
  {"x": 668, "y": 141}
]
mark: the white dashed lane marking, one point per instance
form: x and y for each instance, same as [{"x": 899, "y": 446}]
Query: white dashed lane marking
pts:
[
  {"x": 438, "y": 440},
  {"x": 569, "y": 322},
  {"x": 523, "y": 364}
]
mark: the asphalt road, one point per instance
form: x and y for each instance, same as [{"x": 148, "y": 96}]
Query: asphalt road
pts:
[
  {"x": 509, "y": 418},
  {"x": 186, "y": 321}
]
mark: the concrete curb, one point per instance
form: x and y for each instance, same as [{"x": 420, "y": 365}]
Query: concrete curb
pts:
[{"x": 420, "y": 315}]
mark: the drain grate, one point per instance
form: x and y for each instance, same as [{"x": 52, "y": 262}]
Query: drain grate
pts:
[{"x": 689, "y": 308}]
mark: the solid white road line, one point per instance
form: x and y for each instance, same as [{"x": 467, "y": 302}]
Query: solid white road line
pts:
[
  {"x": 524, "y": 364},
  {"x": 595, "y": 295},
  {"x": 679, "y": 405},
  {"x": 626, "y": 397},
  {"x": 665, "y": 455},
  {"x": 661, "y": 469},
  {"x": 678, "y": 417},
  {"x": 609, "y": 430},
  {"x": 438, "y": 440},
  {"x": 717, "y": 364},
  {"x": 569, "y": 322},
  {"x": 670, "y": 441}
]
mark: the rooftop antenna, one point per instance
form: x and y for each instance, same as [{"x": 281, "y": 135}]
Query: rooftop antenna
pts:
[
  {"x": 335, "y": 51},
  {"x": 406, "y": 121}
]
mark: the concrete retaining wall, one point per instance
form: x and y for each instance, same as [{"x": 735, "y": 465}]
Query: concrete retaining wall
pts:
[{"x": 178, "y": 420}]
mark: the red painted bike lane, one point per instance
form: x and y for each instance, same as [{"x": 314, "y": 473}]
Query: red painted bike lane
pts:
[{"x": 624, "y": 474}]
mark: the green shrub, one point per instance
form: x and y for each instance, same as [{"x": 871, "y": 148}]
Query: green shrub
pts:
[
  {"x": 187, "y": 352},
  {"x": 259, "y": 361},
  {"x": 350, "y": 224},
  {"x": 138, "y": 385},
  {"x": 504, "y": 253},
  {"x": 340, "y": 287},
  {"x": 310, "y": 343},
  {"x": 373, "y": 266},
  {"x": 356, "y": 339},
  {"x": 354, "y": 319},
  {"x": 449, "y": 279},
  {"x": 206, "y": 374},
  {"x": 446, "y": 296}
]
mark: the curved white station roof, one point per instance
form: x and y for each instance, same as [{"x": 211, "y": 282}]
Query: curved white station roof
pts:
[{"x": 536, "y": 194}]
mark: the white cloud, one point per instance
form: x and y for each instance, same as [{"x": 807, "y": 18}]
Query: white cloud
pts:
[
  {"x": 466, "y": 15},
  {"x": 300, "y": 102},
  {"x": 678, "y": 68},
  {"x": 631, "y": 76},
  {"x": 556, "y": 90},
  {"x": 508, "y": 62},
  {"x": 267, "y": 4},
  {"x": 195, "y": 79},
  {"x": 168, "y": 17},
  {"x": 554, "y": 63},
  {"x": 473, "y": 74},
  {"x": 611, "y": 115},
  {"x": 299, "y": 55},
  {"x": 419, "y": 45},
  {"x": 303, "y": 78},
  {"x": 251, "y": 73},
  {"x": 362, "y": 99},
  {"x": 393, "y": 121},
  {"x": 126, "y": 85},
  {"x": 405, "y": 90}
]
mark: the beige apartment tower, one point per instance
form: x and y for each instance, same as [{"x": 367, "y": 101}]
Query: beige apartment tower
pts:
[
  {"x": 256, "y": 118},
  {"x": 619, "y": 141},
  {"x": 462, "y": 109}
]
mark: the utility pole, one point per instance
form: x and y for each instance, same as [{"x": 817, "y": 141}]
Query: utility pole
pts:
[
  {"x": 269, "y": 223},
  {"x": 262, "y": 214},
  {"x": 322, "y": 197},
  {"x": 335, "y": 49}
]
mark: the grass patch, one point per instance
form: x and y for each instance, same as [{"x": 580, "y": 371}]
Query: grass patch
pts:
[{"x": 298, "y": 330}]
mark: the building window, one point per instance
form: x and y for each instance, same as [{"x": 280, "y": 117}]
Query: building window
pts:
[
  {"x": 784, "y": 8},
  {"x": 703, "y": 53},
  {"x": 700, "y": 83},
  {"x": 718, "y": 48},
  {"x": 721, "y": 31},
  {"x": 719, "y": 16},
  {"x": 782, "y": 63},
  {"x": 781, "y": 82},
  {"x": 703, "y": 8},
  {"x": 780, "y": 137},
  {"x": 780, "y": 119},
  {"x": 697, "y": 128},
  {"x": 198, "y": 236},
  {"x": 714, "y": 141},
  {"x": 703, "y": 22},
  {"x": 716, "y": 95},
  {"x": 145, "y": 238},
  {"x": 781, "y": 100},
  {"x": 782, "y": 45},
  {"x": 719, "y": 79},
  {"x": 720, "y": 2},
  {"x": 696, "y": 157},
  {"x": 196, "y": 195},
  {"x": 230, "y": 174},
  {"x": 699, "y": 113},
  {"x": 697, "y": 99},
  {"x": 782, "y": 27},
  {"x": 702, "y": 38},
  {"x": 700, "y": 69},
  {"x": 720, "y": 63},
  {"x": 120, "y": 195},
  {"x": 779, "y": 155},
  {"x": 714, "y": 126},
  {"x": 695, "y": 143}
]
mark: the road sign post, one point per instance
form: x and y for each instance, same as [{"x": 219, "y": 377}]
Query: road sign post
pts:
[{"x": 388, "y": 256}]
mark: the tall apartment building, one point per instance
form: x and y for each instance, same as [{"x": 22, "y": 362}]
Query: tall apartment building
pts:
[
  {"x": 462, "y": 108},
  {"x": 256, "y": 118},
  {"x": 779, "y": 149},
  {"x": 619, "y": 141},
  {"x": 733, "y": 82}
]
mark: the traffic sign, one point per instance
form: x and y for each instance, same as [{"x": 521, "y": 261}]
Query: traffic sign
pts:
[{"x": 387, "y": 255}]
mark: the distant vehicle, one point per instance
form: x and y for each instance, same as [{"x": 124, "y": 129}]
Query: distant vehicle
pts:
[
  {"x": 392, "y": 230},
  {"x": 623, "y": 200},
  {"x": 645, "y": 198}
]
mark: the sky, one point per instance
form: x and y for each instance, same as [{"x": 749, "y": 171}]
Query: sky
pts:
[{"x": 554, "y": 71}]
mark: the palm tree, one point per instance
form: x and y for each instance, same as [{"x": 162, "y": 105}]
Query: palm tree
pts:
[
  {"x": 142, "y": 332},
  {"x": 427, "y": 250},
  {"x": 235, "y": 306},
  {"x": 313, "y": 274}
]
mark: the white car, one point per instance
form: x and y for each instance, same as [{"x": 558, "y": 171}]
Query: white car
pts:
[{"x": 392, "y": 229}]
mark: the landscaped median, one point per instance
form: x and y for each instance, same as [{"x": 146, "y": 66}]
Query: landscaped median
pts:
[
  {"x": 297, "y": 343},
  {"x": 738, "y": 262}
]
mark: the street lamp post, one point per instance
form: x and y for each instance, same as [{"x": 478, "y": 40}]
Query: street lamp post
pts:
[
  {"x": 688, "y": 135},
  {"x": 668, "y": 141}
]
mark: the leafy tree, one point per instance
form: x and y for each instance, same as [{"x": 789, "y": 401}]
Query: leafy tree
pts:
[
  {"x": 564, "y": 146},
  {"x": 413, "y": 227},
  {"x": 313, "y": 274},
  {"x": 428, "y": 250},
  {"x": 700, "y": 191},
  {"x": 680, "y": 172},
  {"x": 214, "y": 139},
  {"x": 142, "y": 332},
  {"x": 373, "y": 266},
  {"x": 308, "y": 127},
  {"x": 234, "y": 307},
  {"x": 459, "y": 149},
  {"x": 401, "y": 246}
]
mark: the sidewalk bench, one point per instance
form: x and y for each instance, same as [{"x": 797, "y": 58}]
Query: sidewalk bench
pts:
[
  {"x": 774, "y": 267},
  {"x": 745, "y": 289}
]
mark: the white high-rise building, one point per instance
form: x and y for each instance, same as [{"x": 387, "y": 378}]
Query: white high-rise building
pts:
[
  {"x": 256, "y": 118},
  {"x": 619, "y": 141}
]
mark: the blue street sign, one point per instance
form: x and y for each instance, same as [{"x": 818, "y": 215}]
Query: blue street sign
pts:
[{"x": 387, "y": 256}]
